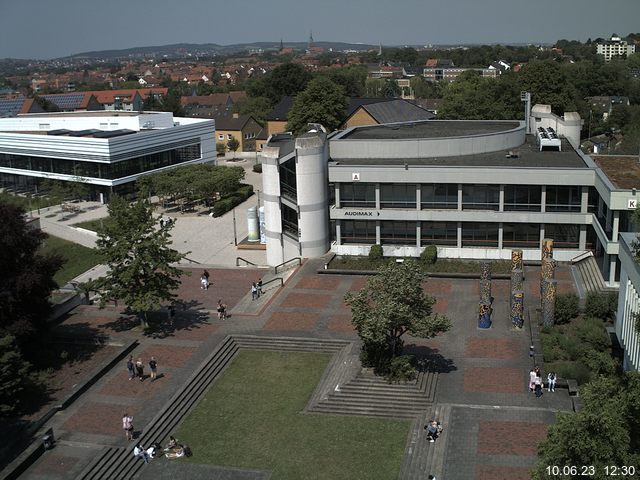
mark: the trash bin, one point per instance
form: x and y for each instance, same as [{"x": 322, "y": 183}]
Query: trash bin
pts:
[{"x": 48, "y": 440}]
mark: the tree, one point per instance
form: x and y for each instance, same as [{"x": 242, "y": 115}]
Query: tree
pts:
[
  {"x": 140, "y": 260},
  {"x": 257, "y": 107},
  {"x": 221, "y": 149},
  {"x": 321, "y": 102},
  {"x": 392, "y": 303},
  {"x": 233, "y": 145},
  {"x": 27, "y": 276},
  {"x": 611, "y": 411},
  {"x": 13, "y": 372},
  {"x": 286, "y": 79},
  {"x": 548, "y": 84}
]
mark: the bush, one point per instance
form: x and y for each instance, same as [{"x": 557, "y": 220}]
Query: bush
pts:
[
  {"x": 376, "y": 253},
  {"x": 401, "y": 370},
  {"x": 429, "y": 255},
  {"x": 257, "y": 168},
  {"x": 221, "y": 149},
  {"x": 567, "y": 307},
  {"x": 600, "y": 363},
  {"x": 575, "y": 370},
  {"x": 228, "y": 202},
  {"x": 601, "y": 305},
  {"x": 591, "y": 331}
]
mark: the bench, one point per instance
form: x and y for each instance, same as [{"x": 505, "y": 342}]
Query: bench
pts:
[{"x": 572, "y": 386}]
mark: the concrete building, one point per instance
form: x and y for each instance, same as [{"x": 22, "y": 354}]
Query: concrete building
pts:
[
  {"x": 107, "y": 150},
  {"x": 615, "y": 47},
  {"x": 629, "y": 303},
  {"x": 475, "y": 189}
]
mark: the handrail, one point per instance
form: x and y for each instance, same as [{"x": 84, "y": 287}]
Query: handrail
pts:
[
  {"x": 244, "y": 260},
  {"x": 582, "y": 256},
  {"x": 192, "y": 261},
  {"x": 275, "y": 269},
  {"x": 274, "y": 280}
]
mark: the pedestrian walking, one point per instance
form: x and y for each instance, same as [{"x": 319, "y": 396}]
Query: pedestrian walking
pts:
[
  {"x": 538, "y": 386},
  {"x": 206, "y": 275},
  {"x": 153, "y": 366},
  {"x": 140, "y": 369},
  {"x": 131, "y": 368},
  {"x": 551, "y": 382},
  {"x": 222, "y": 310},
  {"x": 127, "y": 426},
  {"x": 259, "y": 287},
  {"x": 254, "y": 291},
  {"x": 204, "y": 284},
  {"x": 161, "y": 223},
  {"x": 532, "y": 379}
]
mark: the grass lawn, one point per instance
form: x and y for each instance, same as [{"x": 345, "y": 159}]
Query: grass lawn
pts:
[
  {"x": 78, "y": 259},
  {"x": 92, "y": 225},
  {"x": 252, "y": 418}
]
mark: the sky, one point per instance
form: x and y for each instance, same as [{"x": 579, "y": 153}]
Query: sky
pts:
[{"x": 42, "y": 29}]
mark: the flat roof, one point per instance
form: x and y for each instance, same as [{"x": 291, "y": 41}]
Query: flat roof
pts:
[
  {"x": 528, "y": 156},
  {"x": 430, "y": 129},
  {"x": 622, "y": 170}
]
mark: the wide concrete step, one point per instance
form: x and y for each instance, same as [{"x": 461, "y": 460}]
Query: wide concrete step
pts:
[
  {"x": 364, "y": 411},
  {"x": 102, "y": 464},
  {"x": 349, "y": 390},
  {"x": 388, "y": 400},
  {"x": 591, "y": 276}
]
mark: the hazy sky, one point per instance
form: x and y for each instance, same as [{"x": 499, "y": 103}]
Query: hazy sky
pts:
[{"x": 55, "y": 28}]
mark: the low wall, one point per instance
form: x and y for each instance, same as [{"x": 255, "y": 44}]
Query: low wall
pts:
[{"x": 81, "y": 236}]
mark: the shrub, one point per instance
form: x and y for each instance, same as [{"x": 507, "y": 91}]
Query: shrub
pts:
[
  {"x": 567, "y": 307},
  {"x": 401, "y": 370},
  {"x": 600, "y": 363},
  {"x": 376, "y": 252},
  {"x": 601, "y": 305},
  {"x": 574, "y": 370},
  {"x": 232, "y": 200},
  {"x": 591, "y": 331},
  {"x": 221, "y": 149},
  {"x": 429, "y": 255},
  {"x": 257, "y": 168}
]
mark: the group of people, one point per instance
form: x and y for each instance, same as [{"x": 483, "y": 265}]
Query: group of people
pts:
[
  {"x": 256, "y": 289},
  {"x": 536, "y": 383},
  {"x": 166, "y": 223},
  {"x": 136, "y": 370},
  {"x": 434, "y": 429},
  {"x": 172, "y": 450}
]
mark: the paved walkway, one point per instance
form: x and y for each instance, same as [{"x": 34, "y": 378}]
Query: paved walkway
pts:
[{"x": 493, "y": 424}]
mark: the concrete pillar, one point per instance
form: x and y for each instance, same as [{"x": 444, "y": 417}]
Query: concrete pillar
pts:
[
  {"x": 337, "y": 194},
  {"x": 500, "y": 232},
  {"x": 584, "y": 203},
  {"x": 501, "y": 201},
  {"x": 418, "y": 233},
  {"x": 272, "y": 207},
  {"x": 608, "y": 220},
  {"x": 459, "y": 196},
  {"x": 377, "y": 196},
  {"x": 615, "y": 226},
  {"x": 459, "y": 244},
  {"x": 612, "y": 269},
  {"x": 418, "y": 196},
  {"x": 543, "y": 199},
  {"x": 378, "y": 232},
  {"x": 582, "y": 241},
  {"x": 338, "y": 232},
  {"x": 312, "y": 155}
]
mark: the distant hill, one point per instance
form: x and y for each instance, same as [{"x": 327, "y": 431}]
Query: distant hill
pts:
[{"x": 213, "y": 48}]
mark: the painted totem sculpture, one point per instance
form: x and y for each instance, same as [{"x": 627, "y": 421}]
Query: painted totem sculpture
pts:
[{"x": 484, "y": 309}]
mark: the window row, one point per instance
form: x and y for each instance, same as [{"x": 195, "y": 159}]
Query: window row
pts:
[
  {"x": 474, "y": 197},
  {"x": 474, "y": 234},
  {"x": 123, "y": 168}
]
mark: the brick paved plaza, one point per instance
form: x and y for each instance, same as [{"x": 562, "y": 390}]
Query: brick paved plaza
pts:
[{"x": 494, "y": 424}]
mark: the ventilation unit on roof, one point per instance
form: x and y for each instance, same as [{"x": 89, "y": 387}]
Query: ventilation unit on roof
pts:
[{"x": 547, "y": 138}]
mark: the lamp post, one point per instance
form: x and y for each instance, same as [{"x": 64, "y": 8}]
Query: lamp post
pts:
[{"x": 235, "y": 234}]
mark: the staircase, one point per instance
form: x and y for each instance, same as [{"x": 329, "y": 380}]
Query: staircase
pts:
[
  {"x": 368, "y": 394},
  {"x": 118, "y": 463},
  {"x": 423, "y": 458},
  {"x": 591, "y": 277}
]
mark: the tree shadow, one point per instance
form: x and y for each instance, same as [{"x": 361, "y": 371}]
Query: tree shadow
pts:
[
  {"x": 187, "y": 316},
  {"x": 429, "y": 359}
]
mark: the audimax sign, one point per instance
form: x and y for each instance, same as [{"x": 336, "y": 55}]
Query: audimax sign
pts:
[{"x": 360, "y": 213}]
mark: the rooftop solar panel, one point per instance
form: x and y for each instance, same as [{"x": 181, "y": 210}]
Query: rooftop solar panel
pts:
[
  {"x": 10, "y": 107},
  {"x": 84, "y": 133},
  {"x": 59, "y": 131},
  {"x": 113, "y": 133}
]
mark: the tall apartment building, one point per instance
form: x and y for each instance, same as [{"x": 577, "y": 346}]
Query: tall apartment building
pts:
[{"x": 615, "y": 47}]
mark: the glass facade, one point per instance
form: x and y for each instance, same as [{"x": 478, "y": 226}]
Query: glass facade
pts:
[
  {"x": 288, "y": 182},
  {"x": 563, "y": 199},
  {"x": 479, "y": 234},
  {"x": 521, "y": 235},
  {"x": 397, "y": 195},
  {"x": 358, "y": 195},
  {"x": 564, "y": 236},
  {"x": 358, "y": 231},
  {"x": 290, "y": 221},
  {"x": 436, "y": 196},
  {"x": 398, "y": 233},
  {"x": 522, "y": 198},
  {"x": 439, "y": 233},
  {"x": 109, "y": 171},
  {"x": 480, "y": 197}
]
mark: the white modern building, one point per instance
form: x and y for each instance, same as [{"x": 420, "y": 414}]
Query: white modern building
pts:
[
  {"x": 475, "y": 189},
  {"x": 615, "y": 47},
  {"x": 629, "y": 303},
  {"x": 107, "y": 150}
]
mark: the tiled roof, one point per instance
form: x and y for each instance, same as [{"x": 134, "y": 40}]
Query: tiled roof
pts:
[
  {"x": 281, "y": 110},
  {"x": 224, "y": 122}
]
